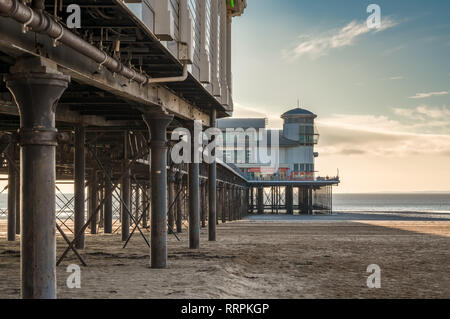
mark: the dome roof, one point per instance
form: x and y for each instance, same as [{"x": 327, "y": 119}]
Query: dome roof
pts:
[{"x": 298, "y": 112}]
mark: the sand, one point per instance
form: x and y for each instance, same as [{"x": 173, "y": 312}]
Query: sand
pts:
[{"x": 262, "y": 259}]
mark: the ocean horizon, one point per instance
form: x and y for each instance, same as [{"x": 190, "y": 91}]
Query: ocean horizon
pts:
[{"x": 433, "y": 202}]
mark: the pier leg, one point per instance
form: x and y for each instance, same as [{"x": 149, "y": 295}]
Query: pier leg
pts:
[
  {"x": 158, "y": 124},
  {"x": 36, "y": 86},
  {"x": 202, "y": 204},
  {"x": 260, "y": 200},
  {"x": 245, "y": 208},
  {"x": 137, "y": 201},
  {"x": 194, "y": 212},
  {"x": 289, "y": 200},
  {"x": 171, "y": 213},
  {"x": 310, "y": 202},
  {"x": 212, "y": 190},
  {"x": 251, "y": 200},
  {"x": 230, "y": 202},
  {"x": 11, "y": 195},
  {"x": 179, "y": 203},
  {"x": 101, "y": 195},
  {"x": 107, "y": 225},
  {"x": 146, "y": 212},
  {"x": 126, "y": 191},
  {"x": 17, "y": 190},
  {"x": 93, "y": 201},
  {"x": 217, "y": 204},
  {"x": 223, "y": 203},
  {"x": 79, "y": 184}
]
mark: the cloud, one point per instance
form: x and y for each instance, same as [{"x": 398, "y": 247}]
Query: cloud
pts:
[
  {"x": 423, "y": 130},
  {"x": 425, "y": 118},
  {"x": 370, "y": 135},
  {"x": 346, "y": 36},
  {"x": 429, "y": 94},
  {"x": 397, "y": 78}
]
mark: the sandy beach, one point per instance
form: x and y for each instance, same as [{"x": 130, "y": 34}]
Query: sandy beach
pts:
[{"x": 264, "y": 257}]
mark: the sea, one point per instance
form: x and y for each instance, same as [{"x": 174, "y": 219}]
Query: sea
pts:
[{"x": 413, "y": 202}]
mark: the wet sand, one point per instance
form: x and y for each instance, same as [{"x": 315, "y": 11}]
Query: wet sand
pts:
[{"x": 274, "y": 257}]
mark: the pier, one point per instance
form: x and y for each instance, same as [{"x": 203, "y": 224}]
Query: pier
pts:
[{"x": 92, "y": 108}]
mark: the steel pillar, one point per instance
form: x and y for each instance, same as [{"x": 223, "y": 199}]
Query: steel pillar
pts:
[
  {"x": 194, "y": 199},
  {"x": 93, "y": 202},
  {"x": 217, "y": 204},
  {"x": 148, "y": 191},
  {"x": 17, "y": 191},
  {"x": 310, "y": 201},
  {"x": 137, "y": 201},
  {"x": 36, "y": 86},
  {"x": 251, "y": 200},
  {"x": 107, "y": 220},
  {"x": 229, "y": 200},
  {"x": 212, "y": 188},
  {"x": 79, "y": 184},
  {"x": 126, "y": 191},
  {"x": 11, "y": 195},
  {"x": 100, "y": 196},
  {"x": 179, "y": 220},
  {"x": 260, "y": 200},
  {"x": 203, "y": 203},
  {"x": 289, "y": 200},
  {"x": 223, "y": 200},
  {"x": 158, "y": 124},
  {"x": 171, "y": 212},
  {"x": 245, "y": 208}
]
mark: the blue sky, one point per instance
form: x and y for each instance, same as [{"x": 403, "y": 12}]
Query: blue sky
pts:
[{"x": 382, "y": 97}]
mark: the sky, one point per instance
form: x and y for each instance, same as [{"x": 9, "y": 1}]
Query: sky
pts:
[{"x": 382, "y": 96}]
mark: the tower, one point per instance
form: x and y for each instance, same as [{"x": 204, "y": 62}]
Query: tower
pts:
[{"x": 299, "y": 127}]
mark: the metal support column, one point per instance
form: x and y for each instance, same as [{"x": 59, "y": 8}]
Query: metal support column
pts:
[
  {"x": 180, "y": 200},
  {"x": 194, "y": 211},
  {"x": 245, "y": 208},
  {"x": 126, "y": 191},
  {"x": 260, "y": 200},
  {"x": 230, "y": 205},
  {"x": 37, "y": 86},
  {"x": 158, "y": 124},
  {"x": 289, "y": 200},
  {"x": 203, "y": 203},
  {"x": 171, "y": 213},
  {"x": 17, "y": 191},
  {"x": 223, "y": 202},
  {"x": 107, "y": 226},
  {"x": 93, "y": 201},
  {"x": 310, "y": 201},
  {"x": 11, "y": 195},
  {"x": 79, "y": 184},
  {"x": 212, "y": 188}
]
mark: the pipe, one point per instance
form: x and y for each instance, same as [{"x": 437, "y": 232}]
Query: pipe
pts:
[
  {"x": 45, "y": 24},
  {"x": 181, "y": 78}
]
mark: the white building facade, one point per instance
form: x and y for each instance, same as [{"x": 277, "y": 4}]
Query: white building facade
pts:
[{"x": 295, "y": 143}]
